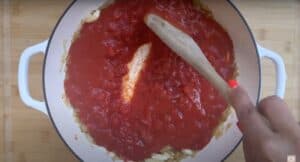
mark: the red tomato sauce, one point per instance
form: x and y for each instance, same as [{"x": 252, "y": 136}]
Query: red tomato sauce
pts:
[{"x": 172, "y": 105}]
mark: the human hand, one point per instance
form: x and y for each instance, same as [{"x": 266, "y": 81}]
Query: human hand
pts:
[{"x": 270, "y": 131}]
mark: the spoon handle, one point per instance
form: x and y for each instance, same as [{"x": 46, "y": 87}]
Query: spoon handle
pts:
[{"x": 184, "y": 46}]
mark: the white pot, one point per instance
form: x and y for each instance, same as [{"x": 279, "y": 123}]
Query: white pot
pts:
[{"x": 248, "y": 55}]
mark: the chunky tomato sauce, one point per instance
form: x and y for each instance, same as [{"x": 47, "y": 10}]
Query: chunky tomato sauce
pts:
[{"x": 172, "y": 105}]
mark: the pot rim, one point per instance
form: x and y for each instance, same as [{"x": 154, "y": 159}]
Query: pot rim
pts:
[{"x": 50, "y": 40}]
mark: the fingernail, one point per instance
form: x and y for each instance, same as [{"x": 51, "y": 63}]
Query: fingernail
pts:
[{"x": 233, "y": 84}]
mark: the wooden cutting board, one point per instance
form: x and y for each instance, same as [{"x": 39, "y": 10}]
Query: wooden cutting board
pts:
[{"x": 27, "y": 135}]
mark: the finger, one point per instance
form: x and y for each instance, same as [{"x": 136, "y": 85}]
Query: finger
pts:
[
  {"x": 250, "y": 120},
  {"x": 276, "y": 112}
]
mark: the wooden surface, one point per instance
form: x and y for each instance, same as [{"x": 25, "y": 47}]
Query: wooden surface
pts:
[{"x": 27, "y": 135}]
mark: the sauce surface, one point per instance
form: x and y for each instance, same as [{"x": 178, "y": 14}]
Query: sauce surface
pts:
[{"x": 172, "y": 104}]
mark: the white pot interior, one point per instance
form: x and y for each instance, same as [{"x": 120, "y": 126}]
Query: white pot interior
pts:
[{"x": 62, "y": 115}]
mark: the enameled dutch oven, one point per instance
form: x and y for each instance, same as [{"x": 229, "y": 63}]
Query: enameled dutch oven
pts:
[{"x": 248, "y": 57}]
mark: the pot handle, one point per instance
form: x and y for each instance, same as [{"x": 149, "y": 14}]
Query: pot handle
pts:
[
  {"x": 280, "y": 69},
  {"x": 23, "y": 76}
]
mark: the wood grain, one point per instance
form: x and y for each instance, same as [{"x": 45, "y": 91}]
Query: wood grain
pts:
[
  {"x": 6, "y": 83},
  {"x": 27, "y": 135},
  {"x": 275, "y": 25},
  {"x": 1, "y": 87}
]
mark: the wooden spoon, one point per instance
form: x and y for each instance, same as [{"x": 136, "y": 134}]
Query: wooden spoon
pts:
[{"x": 184, "y": 46}]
